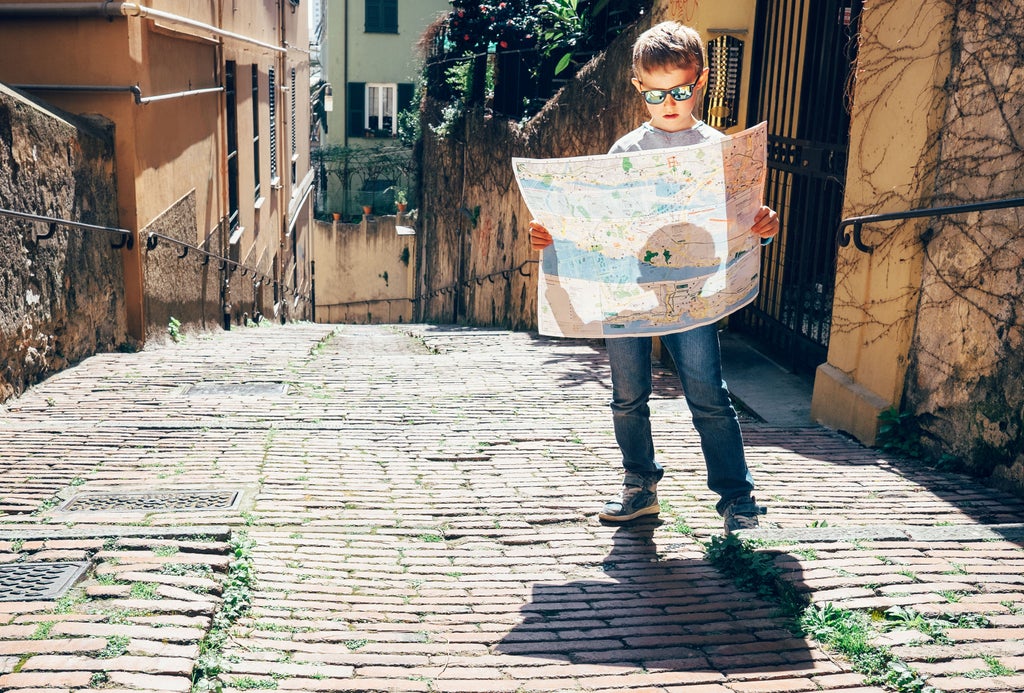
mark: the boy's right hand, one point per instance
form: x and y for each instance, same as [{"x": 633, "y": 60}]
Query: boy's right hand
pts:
[{"x": 539, "y": 236}]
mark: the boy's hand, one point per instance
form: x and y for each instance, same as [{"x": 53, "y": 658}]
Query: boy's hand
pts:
[
  {"x": 766, "y": 223},
  {"x": 539, "y": 236}
]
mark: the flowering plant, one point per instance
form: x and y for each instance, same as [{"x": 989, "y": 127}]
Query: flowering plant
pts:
[{"x": 476, "y": 26}]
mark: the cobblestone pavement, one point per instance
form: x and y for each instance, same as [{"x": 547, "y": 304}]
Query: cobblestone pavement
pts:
[{"x": 417, "y": 507}]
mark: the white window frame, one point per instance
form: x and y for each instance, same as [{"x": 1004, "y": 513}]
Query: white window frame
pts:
[{"x": 377, "y": 104}]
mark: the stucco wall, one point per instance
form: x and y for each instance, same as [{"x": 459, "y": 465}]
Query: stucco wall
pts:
[
  {"x": 897, "y": 106},
  {"x": 965, "y": 381},
  {"x": 62, "y": 298},
  {"x": 364, "y": 271},
  {"x": 185, "y": 288}
]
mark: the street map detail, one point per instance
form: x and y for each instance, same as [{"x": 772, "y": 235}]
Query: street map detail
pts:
[{"x": 650, "y": 242}]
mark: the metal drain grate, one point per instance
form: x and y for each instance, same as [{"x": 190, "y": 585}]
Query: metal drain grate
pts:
[
  {"x": 27, "y": 582},
  {"x": 151, "y": 502},
  {"x": 237, "y": 390}
]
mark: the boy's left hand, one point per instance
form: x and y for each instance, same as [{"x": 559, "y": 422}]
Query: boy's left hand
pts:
[{"x": 766, "y": 223}]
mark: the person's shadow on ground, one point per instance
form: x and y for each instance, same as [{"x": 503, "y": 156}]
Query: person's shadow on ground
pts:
[{"x": 677, "y": 617}]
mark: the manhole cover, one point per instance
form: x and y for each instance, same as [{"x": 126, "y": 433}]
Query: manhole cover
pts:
[
  {"x": 237, "y": 390},
  {"x": 26, "y": 582},
  {"x": 151, "y": 502}
]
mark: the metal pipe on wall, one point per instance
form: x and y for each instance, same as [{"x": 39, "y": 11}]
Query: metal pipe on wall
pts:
[
  {"x": 135, "y": 90},
  {"x": 126, "y": 9}
]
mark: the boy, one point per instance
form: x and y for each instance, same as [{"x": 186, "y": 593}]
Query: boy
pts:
[{"x": 668, "y": 69}]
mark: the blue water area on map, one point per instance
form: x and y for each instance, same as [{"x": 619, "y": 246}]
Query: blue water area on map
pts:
[{"x": 566, "y": 259}]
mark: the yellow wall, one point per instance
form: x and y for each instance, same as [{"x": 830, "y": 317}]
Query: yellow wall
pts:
[
  {"x": 364, "y": 272},
  {"x": 168, "y": 149},
  {"x": 897, "y": 106},
  {"x": 734, "y": 18}
]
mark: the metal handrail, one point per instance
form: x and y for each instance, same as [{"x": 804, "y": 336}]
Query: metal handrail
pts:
[
  {"x": 477, "y": 279},
  {"x": 857, "y": 223},
  {"x": 152, "y": 239},
  {"x": 55, "y": 222},
  {"x": 226, "y": 264}
]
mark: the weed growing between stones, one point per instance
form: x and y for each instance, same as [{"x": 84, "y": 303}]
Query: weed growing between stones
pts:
[
  {"x": 235, "y": 602},
  {"x": 848, "y": 633}
]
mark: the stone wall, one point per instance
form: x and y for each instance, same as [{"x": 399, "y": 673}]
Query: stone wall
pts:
[
  {"x": 61, "y": 298},
  {"x": 965, "y": 380}
]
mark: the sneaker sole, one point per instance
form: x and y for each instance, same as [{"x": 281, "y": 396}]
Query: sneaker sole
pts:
[{"x": 649, "y": 510}]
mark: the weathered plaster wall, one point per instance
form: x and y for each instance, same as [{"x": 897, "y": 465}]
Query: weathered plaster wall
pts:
[
  {"x": 897, "y": 106},
  {"x": 364, "y": 271},
  {"x": 62, "y": 298},
  {"x": 966, "y": 379},
  {"x": 184, "y": 288}
]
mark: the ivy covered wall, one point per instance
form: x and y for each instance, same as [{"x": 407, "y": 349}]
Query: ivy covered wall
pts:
[{"x": 966, "y": 378}]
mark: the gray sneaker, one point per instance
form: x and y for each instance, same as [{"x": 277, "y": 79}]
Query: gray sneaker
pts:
[
  {"x": 639, "y": 498},
  {"x": 742, "y": 513}
]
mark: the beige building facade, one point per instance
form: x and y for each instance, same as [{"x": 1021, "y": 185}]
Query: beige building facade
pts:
[{"x": 210, "y": 108}]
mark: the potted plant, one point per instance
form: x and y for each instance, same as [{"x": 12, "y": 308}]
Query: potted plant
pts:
[{"x": 401, "y": 201}]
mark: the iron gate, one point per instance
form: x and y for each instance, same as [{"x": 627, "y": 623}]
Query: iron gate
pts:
[{"x": 803, "y": 55}]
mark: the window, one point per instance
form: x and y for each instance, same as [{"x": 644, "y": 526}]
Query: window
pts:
[
  {"x": 272, "y": 104},
  {"x": 381, "y": 110},
  {"x": 382, "y": 16},
  {"x": 295, "y": 144},
  {"x": 231, "y": 118},
  {"x": 256, "y": 131},
  {"x": 379, "y": 102}
]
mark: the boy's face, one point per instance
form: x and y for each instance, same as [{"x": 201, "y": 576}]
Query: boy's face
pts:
[{"x": 671, "y": 115}]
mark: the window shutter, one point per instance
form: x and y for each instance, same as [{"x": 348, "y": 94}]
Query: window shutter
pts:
[
  {"x": 356, "y": 108},
  {"x": 381, "y": 16},
  {"x": 405, "y": 92},
  {"x": 389, "y": 16}
]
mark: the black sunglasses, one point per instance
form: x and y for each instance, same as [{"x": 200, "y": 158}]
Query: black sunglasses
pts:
[{"x": 680, "y": 93}]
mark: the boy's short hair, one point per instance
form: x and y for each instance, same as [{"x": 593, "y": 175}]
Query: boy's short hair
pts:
[{"x": 668, "y": 45}]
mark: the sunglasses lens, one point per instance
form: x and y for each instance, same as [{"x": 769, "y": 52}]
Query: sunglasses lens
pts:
[
  {"x": 682, "y": 93},
  {"x": 655, "y": 96}
]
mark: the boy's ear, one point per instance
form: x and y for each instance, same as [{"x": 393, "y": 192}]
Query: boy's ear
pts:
[
  {"x": 703, "y": 81},
  {"x": 636, "y": 83}
]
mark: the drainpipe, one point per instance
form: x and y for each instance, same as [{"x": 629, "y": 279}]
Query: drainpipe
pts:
[
  {"x": 125, "y": 9},
  {"x": 344, "y": 116}
]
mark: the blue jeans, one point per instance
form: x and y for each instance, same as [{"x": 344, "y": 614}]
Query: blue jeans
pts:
[{"x": 698, "y": 359}]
